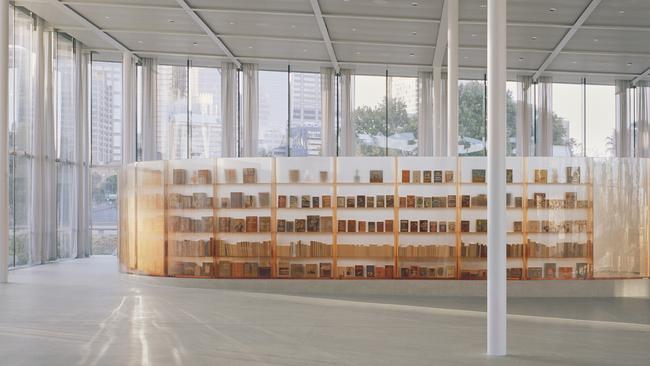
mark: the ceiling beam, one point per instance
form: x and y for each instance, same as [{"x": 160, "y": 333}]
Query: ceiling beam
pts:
[
  {"x": 88, "y": 25},
  {"x": 206, "y": 28},
  {"x": 638, "y": 78},
  {"x": 567, "y": 37},
  {"x": 441, "y": 42},
  {"x": 326, "y": 36}
]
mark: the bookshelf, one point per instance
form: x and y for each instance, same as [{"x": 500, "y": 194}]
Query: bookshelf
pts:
[{"x": 354, "y": 218}]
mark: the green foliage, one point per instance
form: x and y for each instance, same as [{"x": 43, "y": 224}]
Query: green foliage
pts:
[{"x": 372, "y": 121}]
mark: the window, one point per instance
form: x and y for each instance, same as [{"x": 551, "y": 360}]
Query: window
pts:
[
  {"x": 273, "y": 114},
  {"x": 567, "y": 120},
  {"x": 65, "y": 148},
  {"x": 471, "y": 118},
  {"x": 205, "y": 112},
  {"x": 21, "y": 89},
  {"x": 402, "y": 116},
  {"x": 106, "y": 104},
  {"x": 103, "y": 191},
  {"x": 369, "y": 114},
  {"x": 306, "y": 117},
  {"x": 172, "y": 136},
  {"x": 511, "y": 118},
  {"x": 601, "y": 119}
]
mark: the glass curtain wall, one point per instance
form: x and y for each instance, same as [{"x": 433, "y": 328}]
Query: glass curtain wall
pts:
[
  {"x": 273, "y": 136},
  {"x": 21, "y": 89},
  {"x": 471, "y": 117},
  {"x": 205, "y": 112},
  {"x": 369, "y": 114},
  {"x": 172, "y": 124},
  {"x": 106, "y": 150},
  {"x": 511, "y": 118},
  {"x": 65, "y": 147},
  {"x": 306, "y": 115},
  {"x": 567, "y": 119},
  {"x": 601, "y": 120},
  {"x": 402, "y": 116}
]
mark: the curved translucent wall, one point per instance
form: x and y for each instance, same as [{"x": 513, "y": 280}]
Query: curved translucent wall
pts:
[{"x": 382, "y": 217}]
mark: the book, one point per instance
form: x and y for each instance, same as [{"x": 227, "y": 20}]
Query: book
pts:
[
  {"x": 465, "y": 200},
  {"x": 464, "y": 226},
  {"x": 451, "y": 200},
  {"x": 410, "y": 201},
  {"x": 250, "y": 175},
  {"x": 361, "y": 201},
  {"x": 449, "y": 176},
  {"x": 311, "y": 270},
  {"x": 437, "y": 176},
  {"x": 481, "y": 226},
  {"x": 352, "y": 226},
  {"x": 297, "y": 270},
  {"x": 541, "y": 176},
  {"x": 380, "y": 201},
  {"x": 293, "y": 201},
  {"x": 251, "y": 224},
  {"x": 402, "y": 202},
  {"x": 305, "y": 201},
  {"x": 265, "y": 224},
  {"x": 388, "y": 224},
  {"x": 390, "y": 200},
  {"x": 416, "y": 176},
  {"x": 327, "y": 201},
  {"x": 294, "y": 175},
  {"x": 549, "y": 270},
  {"x": 582, "y": 271},
  {"x": 282, "y": 201},
  {"x": 424, "y": 226},
  {"x": 300, "y": 225},
  {"x": 326, "y": 224},
  {"x": 340, "y": 201},
  {"x": 376, "y": 176},
  {"x": 433, "y": 226},
  {"x": 361, "y": 226},
  {"x": 230, "y": 175},
  {"x": 565, "y": 273},
  {"x": 325, "y": 270},
  {"x": 414, "y": 226},
  {"x": 323, "y": 175},
  {"x": 281, "y": 225},
  {"x": 573, "y": 175},
  {"x": 478, "y": 175},
  {"x": 372, "y": 227},
  {"x": 389, "y": 270},
  {"x": 534, "y": 273},
  {"x": 315, "y": 202},
  {"x": 370, "y": 201},
  {"x": 341, "y": 226},
  {"x": 442, "y": 227},
  {"x": 426, "y": 176},
  {"x": 404, "y": 226},
  {"x": 380, "y": 272},
  {"x": 406, "y": 176},
  {"x": 350, "y": 202},
  {"x": 264, "y": 199},
  {"x": 358, "y": 270},
  {"x": 379, "y": 227},
  {"x": 236, "y": 199},
  {"x": 570, "y": 199},
  {"x": 370, "y": 271}
]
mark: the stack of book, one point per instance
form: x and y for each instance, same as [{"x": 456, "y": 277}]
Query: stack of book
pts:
[
  {"x": 243, "y": 249},
  {"x": 365, "y": 251},
  {"x": 312, "y": 224},
  {"x": 361, "y": 226},
  {"x": 298, "y": 249}
]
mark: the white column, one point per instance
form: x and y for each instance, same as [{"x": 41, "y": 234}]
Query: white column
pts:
[
  {"x": 4, "y": 140},
  {"x": 149, "y": 108},
  {"x": 452, "y": 77},
  {"x": 437, "y": 129},
  {"x": 496, "y": 178}
]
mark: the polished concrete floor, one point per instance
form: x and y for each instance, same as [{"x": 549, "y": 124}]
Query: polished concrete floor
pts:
[{"x": 83, "y": 312}]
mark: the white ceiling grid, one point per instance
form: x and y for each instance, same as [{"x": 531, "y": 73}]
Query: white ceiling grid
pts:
[{"x": 367, "y": 35}]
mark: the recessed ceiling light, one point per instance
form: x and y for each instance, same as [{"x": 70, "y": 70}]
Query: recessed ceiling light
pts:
[
  {"x": 250, "y": 47},
  {"x": 231, "y": 23},
  {"x": 533, "y": 38},
  {"x": 139, "y": 41},
  {"x": 107, "y": 17},
  {"x": 293, "y": 26},
  {"x": 304, "y": 50},
  {"x": 596, "y": 39},
  {"x": 574, "y": 62},
  {"x": 483, "y": 5},
  {"x": 354, "y": 29},
  {"x": 521, "y": 59},
  {"x": 621, "y": 11},
  {"x": 358, "y": 53},
  {"x": 195, "y": 43},
  {"x": 473, "y": 34},
  {"x": 629, "y": 64},
  {"x": 411, "y": 54},
  {"x": 171, "y": 20},
  {"x": 414, "y": 4},
  {"x": 552, "y": 10},
  {"x": 465, "y": 57},
  {"x": 414, "y": 33}
]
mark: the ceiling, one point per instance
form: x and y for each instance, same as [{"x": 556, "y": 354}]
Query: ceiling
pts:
[{"x": 371, "y": 36}]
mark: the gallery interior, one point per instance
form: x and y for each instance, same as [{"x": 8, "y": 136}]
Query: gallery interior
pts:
[{"x": 296, "y": 182}]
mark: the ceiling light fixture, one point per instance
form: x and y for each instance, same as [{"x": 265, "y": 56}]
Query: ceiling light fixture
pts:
[
  {"x": 596, "y": 39},
  {"x": 354, "y": 29},
  {"x": 629, "y": 64},
  {"x": 533, "y": 38},
  {"x": 358, "y": 53},
  {"x": 195, "y": 43},
  {"x": 304, "y": 50},
  {"x": 411, "y": 54},
  {"x": 232, "y": 23},
  {"x": 414, "y": 4},
  {"x": 414, "y": 33},
  {"x": 139, "y": 41},
  {"x": 171, "y": 20},
  {"x": 250, "y": 47},
  {"x": 621, "y": 11},
  {"x": 107, "y": 17},
  {"x": 473, "y": 34},
  {"x": 521, "y": 59},
  {"x": 552, "y": 10},
  {"x": 574, "y": 62},
  {"x": 293, "y": 26},
  {"x": 465, "y": 57},
  {"x": 483, "y": 6}
]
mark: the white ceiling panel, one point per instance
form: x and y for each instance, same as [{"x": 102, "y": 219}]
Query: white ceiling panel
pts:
[
  {"x": 263, "y": 25},
  {"x": 536, "y": 11},
  {"x": 538, "y": 38},
  {"x": 174, "y": 43},
  {"x": 601, "y": 63},
  {"x": 386, "y": 54},
  {"x": 51, "y": 13},
  {"x": 171, "y": 3},
  {"x": 302, "y": 6},
  {"x": 277, "y": 49},
  {"x": 150, "y": 19},
  {"x": 622, "y": 12},
  {"x": 89, "y": 38},
  {"x": 423, "y": 9},
  {"x": 382, "y": 31},
  {"x": 610, "y": 40}
]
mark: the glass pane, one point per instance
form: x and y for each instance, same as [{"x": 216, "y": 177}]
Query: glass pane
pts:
[
  {"x": 172, "y": 112},
  {"x": 65, "y": 91},
  {"x": 402, "y": 116},
  {"x": 104, "y": 210},
  {"x": 369, "y": 114},
  {"x": 471, "y": 117},
  {"x": 511, "y": 118},
  {"x": 306, "y": 115},
  {"x": 66, "y": 211},
  {"x": 106, "y": 112},
  {"x": 20, "y": 130},
  {"x": 22, "y": 215},
  {"x": 273, "y": 99},
  {"x": 205, "y": 117},
  {"x": 601, "y": 119},
  {"x": 567, "y": 119}
]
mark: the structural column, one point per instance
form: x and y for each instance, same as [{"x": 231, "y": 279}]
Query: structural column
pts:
[
  {"x": 623, "y": 133},
  {"x": 437, "y": 130},
  {"x": 452, "y": 78},
  {"x": 496, "y": 178},
  {"x": 4, "y": 140}
]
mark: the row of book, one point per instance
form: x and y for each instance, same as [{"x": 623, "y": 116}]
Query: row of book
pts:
[
  {"x": 550, "y": 226},
  {"x": 299, "y": 249},
  {"x": 180, "y": 224},
  {"x": 249, "y": 176},
  {"x": 312, "y": 224},
  {"x": 365, "y": 251},
  {"x": 570, "y": 200},
  {"x": 150, "y": 201},
  {"x": 571, "y": 175},
  {"x": 427, "y": 251},
  {"x": 251, "y": 224},
  {"x": 294, "y": 176},
  {"x": 362, "y": 226},
  {"x": 430, "y": 226},
  {"x": 243, "y": 249},
  {"x": 191, "y": 248},
  {"x": 424, "y": 272},
  {"x": 241, "y": 200},
  {"x": 306, "y": 201},
  {"x": 183, "y": 268},
  {"x": 427, "y": 176},
  {"x": 201, "y": 176},
  {"x": 559, "y": 250},
  {"x": 195, "y": 200},
  {"x": 228, "y": 269}
]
